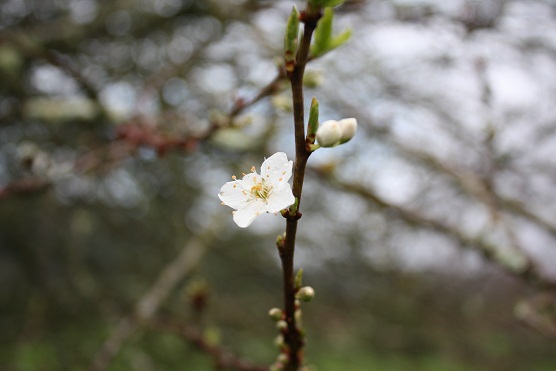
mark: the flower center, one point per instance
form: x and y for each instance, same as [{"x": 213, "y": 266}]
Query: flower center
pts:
[{"x": 261, "y": 190}]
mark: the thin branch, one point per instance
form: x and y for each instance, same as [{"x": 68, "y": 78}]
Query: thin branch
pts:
[
  {"x": 137, "y": 133},
  {"x": 223, "y": 358},
  {"x": 23, "y": 186},
  {"x": 538, "y": 313},
  {"x": 148, "y": 305},
  {"x": 480, "y": 189},
  {"x": 292, "y": 335},
  {"x": 529, "y": 272}
]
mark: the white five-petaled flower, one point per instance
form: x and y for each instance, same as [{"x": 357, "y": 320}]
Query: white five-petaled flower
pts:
[{"x": 256, "y": 194}]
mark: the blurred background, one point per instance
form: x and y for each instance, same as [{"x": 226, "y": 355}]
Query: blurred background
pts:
[{"x": 430, "y": 238}]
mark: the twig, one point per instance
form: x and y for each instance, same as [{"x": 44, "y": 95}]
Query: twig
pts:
[
  {"x": 529, "y": 272},
  {"x": 23, "y": 186},
  {"x": 539, "y": 313},
  {"x": 476, "y": 186},
  {"x": 148, "y": 305},
  {"x": 223, "y": 358},
  {"x": 292, "y": 336}
]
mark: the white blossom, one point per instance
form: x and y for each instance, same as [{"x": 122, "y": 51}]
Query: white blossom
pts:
[{"x": 256, "y": 194}]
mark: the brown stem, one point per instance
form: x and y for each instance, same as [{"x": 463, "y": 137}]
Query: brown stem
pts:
[
  {"x": 293, "y": 338},
  {"x": 223, "y": 359}
]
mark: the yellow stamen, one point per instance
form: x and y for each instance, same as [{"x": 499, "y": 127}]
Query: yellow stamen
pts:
[{"x": 261, "y": 190}]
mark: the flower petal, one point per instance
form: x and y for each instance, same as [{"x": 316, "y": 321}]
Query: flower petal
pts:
[
  {"x": 233, "y": 194},
  {"x": 277, "y": 169},
  {"x": 245, "y": 216},
  {"x": 251, "y": 180},
  {"x": 280, "y": 199}
]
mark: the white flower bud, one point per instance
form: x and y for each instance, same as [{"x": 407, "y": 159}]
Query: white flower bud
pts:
[
  {"x": 349, "y": 127},
  {"x": 329, "y": 133},
  {"x": 306, "y": 293},
  {"x": 279, "y": 341},
  {"x": 275, "y": 314},
  {"x": 298, "y": 315},
  {"x": 282, "y": 358},
  {"x": 281, "y": 325}
]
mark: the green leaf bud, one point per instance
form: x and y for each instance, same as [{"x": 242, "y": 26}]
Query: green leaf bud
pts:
[
  {"x": 293, "y": 208},
  {"x": 298, "y": 279},
  {"x": 291, "y": 39},
  {"x": 313, "y": 125},
  {"x": 280, "y": 241}
]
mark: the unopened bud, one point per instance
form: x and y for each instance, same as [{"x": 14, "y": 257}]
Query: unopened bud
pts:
[
  {"x": 291, "y": 39},
  {"x": 306, "y": 293},
  {"x": 275, "y": 314},
  {"x": 298, "y": 315},
  {"x": 279, "y": 341},
  {"x": 282, "y": 358},
  {"x": 298, "y": 279},
  {"x": 349, "y": 127},
  {"x": 313, "y": 126},
  {"x": 281, "y": 325},
  {"x": 329, "y": 133},
  {"x": 280, "y": 240}
]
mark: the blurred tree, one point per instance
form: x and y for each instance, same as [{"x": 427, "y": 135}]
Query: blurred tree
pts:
[{"x": 120, "y": 120}]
